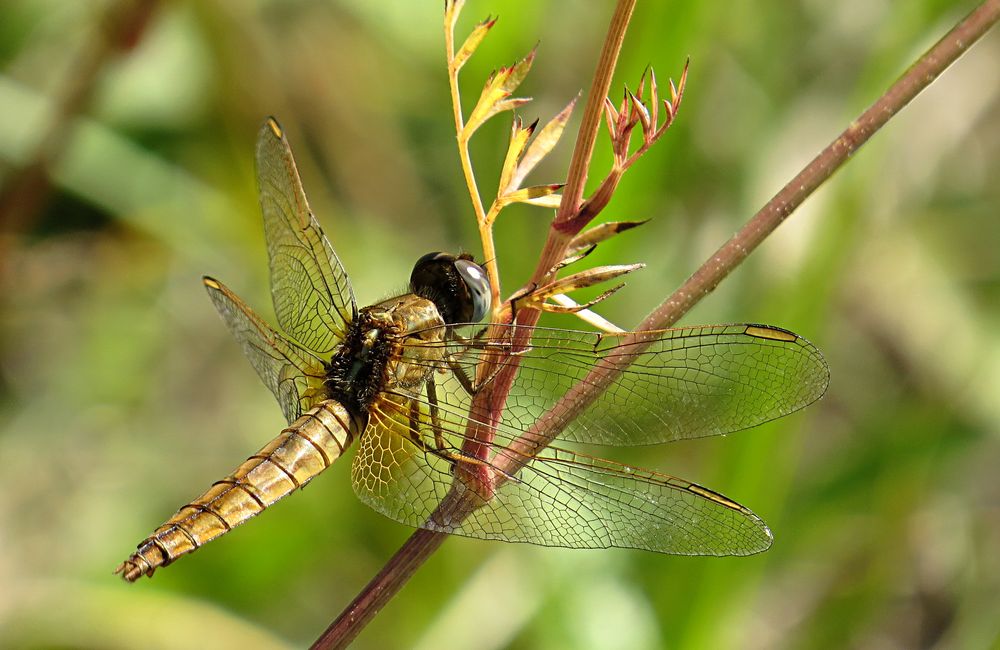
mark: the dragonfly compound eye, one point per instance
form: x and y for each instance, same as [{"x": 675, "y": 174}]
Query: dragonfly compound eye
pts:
[
  {"x": 455, "y": 284},
  {"x": 479, "y": 287}
]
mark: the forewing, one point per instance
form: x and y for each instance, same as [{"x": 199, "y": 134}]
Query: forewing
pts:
[
  {"x": 293, "y": 375},
  {"x": 313, "y": 299},
  {"x": 685, "y": 383},
  {"x": 558, "y": 499}
]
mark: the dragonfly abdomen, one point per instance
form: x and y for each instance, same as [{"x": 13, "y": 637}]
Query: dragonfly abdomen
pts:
[{"x": 300, "y": 452}]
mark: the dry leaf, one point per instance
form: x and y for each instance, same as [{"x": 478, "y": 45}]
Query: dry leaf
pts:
[
  {"x": 534, "y": 195},
  {"x": 593, "y": 236},
  {"x": 496, "y": 91},
  {"x": 543, "y": 143},
  {"x": 583, "y": 279},
  {"x": 472, "y": 42},
  {"x": 519, "y": 136}
]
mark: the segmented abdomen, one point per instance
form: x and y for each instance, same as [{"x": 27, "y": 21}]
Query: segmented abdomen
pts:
[{"x": 304, "y": 449}]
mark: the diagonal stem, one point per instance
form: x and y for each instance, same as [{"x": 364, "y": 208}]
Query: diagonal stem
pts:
[
  {"x": 920, "y": 75},
  {"x": 704, "y": 280},
  {"x": 945, "y": 52},
  {"x": 380, "y": 590}
]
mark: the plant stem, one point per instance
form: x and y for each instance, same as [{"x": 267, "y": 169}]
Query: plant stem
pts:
[
  {"x": 564, "y": 226},
  {"x": 704, "y": 280},
  {"x": 490, "y": 401},
  {"x": 380, "y": 590},
  {"x": 423, "y": 543},
  {"x": 465, "y": 159},
  {"x": 920, "y": 75}
]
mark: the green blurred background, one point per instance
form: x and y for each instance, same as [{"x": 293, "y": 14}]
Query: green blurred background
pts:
[{"x": 122, "y": 395}]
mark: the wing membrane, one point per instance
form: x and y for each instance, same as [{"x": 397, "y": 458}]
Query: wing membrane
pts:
[
  {"x": 313, "y": 299},
  {"x": 293, "y": 375},
  {"x": 558, "y": 499},
  {"x": 687, "y": 383}
]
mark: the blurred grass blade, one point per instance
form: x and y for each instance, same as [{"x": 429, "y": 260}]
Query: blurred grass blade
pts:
[{"x": 131, "y": 183}]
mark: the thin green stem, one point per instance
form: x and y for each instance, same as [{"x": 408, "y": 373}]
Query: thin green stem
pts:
[{"x": 465, "y": 159}]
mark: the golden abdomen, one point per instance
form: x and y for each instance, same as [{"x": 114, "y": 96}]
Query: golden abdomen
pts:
[{"x": 307, "y": 447}]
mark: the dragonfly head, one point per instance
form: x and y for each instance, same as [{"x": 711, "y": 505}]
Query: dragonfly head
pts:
[{"x": 457, "y": 286}]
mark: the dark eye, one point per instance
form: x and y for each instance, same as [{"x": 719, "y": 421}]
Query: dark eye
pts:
[
  {"x": 455, "y": 284},
  {"x": 479, "y": 287}
]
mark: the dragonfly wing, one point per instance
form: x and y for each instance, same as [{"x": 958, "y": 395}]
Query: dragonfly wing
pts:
[
  {"x": 313, "y": 299},
  {"x": 567, "y": 499},
  {"x": 559, "y": 498},
  {"x": 293, "y": 375},
  {"x": 681, "y": 383}
]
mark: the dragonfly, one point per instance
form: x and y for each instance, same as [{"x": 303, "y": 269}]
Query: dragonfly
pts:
[{"x": 402, "y": 381}]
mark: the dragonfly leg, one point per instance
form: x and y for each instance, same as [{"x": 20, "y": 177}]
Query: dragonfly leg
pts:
[
  {"x": 432, "y": 401},
  {"x": 520, "y": 294},
  {"x": 441, "y": 448},
  {"x": 413, "y": 428},
  {"x": 459, "y": 456},
  {"x": 463, "y": 377},
  {"x": 469, "y": 341},
  {"x": 471, "y": 386}
]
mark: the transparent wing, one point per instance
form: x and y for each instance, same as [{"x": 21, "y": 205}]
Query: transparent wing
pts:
[
  {"x": 293, "y": 375},
  {"x": 687, "y": 383},
  {"x": 405, "y": 471},
  {"x": 313, "y": 299}
]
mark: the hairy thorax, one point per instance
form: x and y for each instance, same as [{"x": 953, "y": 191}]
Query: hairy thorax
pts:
[{"x": 394, "y": 344}]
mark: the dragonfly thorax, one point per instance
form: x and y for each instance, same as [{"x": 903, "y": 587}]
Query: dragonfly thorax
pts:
[
  {"x": 385, "y": 348},
  {"x": 396, "y": 343}
]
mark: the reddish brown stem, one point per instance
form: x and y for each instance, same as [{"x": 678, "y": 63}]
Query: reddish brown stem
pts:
[
  {"x": 750, "y": 236},
  {"x": 590, "y": 125},
  {"x": 920, "y": 75},
  {"x": 380, "y": 590},
  {"x": 422, "y": 543},
  {"x": 489, "y": 402}
]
